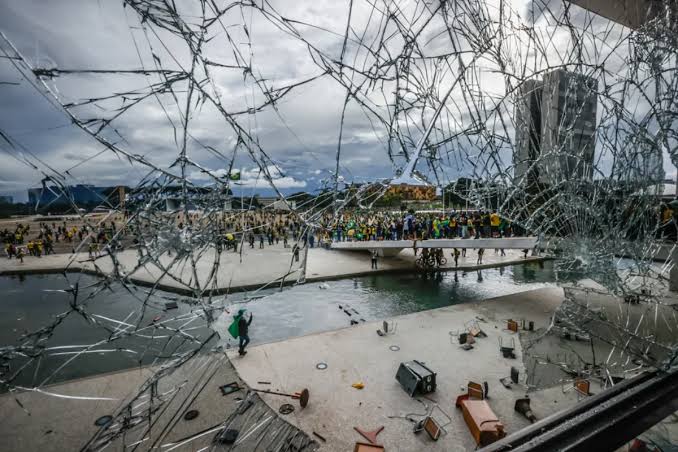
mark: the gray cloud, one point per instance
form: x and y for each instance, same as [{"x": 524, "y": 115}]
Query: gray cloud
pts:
[{"x": 300, "y": 134}]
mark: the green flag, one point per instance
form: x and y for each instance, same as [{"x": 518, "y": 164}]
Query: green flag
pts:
[
  {"x": 234, "y": 175},
  {"x": 233, "y": 329}
]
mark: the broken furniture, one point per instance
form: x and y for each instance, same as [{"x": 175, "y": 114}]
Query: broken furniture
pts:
[
  {"x": 466, "y": 339},
  {"x": 582, "y": 386},
  {"x": 416, "y": 378},
  {"x": 388, "y": 328},
  {"x": 509, "y": 381},
  {"x": 431, "y": 425},
  {"x": 522, "y": 406},
  {"x": 512, "y": 325},
  {"x": 526, "y": 325},
  {"x": 370, "y": 436},
  {"x": 483, "y": 424},
  {"x": 507, "y": 351},
  {"x": 302, "y": 396},
  {"x": 474, "y": 329},
  {"x": 432, "y": 428}
]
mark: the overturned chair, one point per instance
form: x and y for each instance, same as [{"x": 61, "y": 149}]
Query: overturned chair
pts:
[{"x": 479, "y": 417}]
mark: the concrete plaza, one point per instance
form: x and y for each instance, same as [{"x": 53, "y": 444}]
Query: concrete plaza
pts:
[
  {"x": 358, "y": 354},
  {"x": 251, "y": 269}
]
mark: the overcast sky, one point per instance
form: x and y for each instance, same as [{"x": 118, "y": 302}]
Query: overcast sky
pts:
[{"x": 300, "y": 134}]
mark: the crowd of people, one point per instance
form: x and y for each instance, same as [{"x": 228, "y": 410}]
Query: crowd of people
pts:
[
  {"x": 261, "y": 228},
  {"x": 22, "y": 241},
  {"x": 258, "y": 229},
  {"x": 420, "y": 226}
]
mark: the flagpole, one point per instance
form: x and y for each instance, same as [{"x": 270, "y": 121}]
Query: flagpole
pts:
[{"x": 231, "y": 176}]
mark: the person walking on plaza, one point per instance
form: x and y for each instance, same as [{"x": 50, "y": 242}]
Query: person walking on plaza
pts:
[
  {"x": 481, "y": 251},
  {"x": 375, "y": 256},
  {"x": 239, "y": 328},
  {"x": 243, "y": 331},
  {"x": 295, "y": 250},
  {"x": 456, "y": 258},
  {"x": 49, "y": 246}
]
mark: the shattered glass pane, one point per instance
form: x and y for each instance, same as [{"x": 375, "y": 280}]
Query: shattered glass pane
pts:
[{"x": 563, "y": 120}]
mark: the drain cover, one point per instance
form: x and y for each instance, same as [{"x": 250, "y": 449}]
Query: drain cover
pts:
[
  {"x": 394, "y": 348},
  {"x": 191, "y": 414},
  {"x": 103, "y": 421},
  {"x": 321, "y": 366},
  {"x": 286, "y": 408}
]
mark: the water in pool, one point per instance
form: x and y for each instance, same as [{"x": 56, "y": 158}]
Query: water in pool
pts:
[{"x": 29, "y": 304}]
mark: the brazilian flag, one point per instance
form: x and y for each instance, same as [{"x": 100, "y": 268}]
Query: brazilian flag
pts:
[
  {"x": 233, "y": 329},
  {"x": 234, "y": 175}
]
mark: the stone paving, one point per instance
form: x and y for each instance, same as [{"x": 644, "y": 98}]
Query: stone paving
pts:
[
  {"x": 359, "y": 354},
  {"x": 62, "y": 417}
]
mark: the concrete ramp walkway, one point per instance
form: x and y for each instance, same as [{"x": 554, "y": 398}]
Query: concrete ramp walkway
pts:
[{"x": 393, "y": 247}]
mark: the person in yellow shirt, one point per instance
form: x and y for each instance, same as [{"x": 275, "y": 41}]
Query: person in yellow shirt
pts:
[
  {"x": 494, "y": 223},
  {"x": 30, "y": 247}
]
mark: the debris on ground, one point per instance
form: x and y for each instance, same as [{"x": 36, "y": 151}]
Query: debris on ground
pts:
[
  {"x": 522, "y": 406},
  {"x": 483, "y": 424},
  {"x": 370, "y": 436},
  {"x": 416, "y": 378}
]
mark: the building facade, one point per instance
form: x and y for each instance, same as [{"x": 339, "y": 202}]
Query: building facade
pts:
[
  {"x": 79, "y": 194},
  {"x": 528, "y": 132},
  {"x": 555, "y": 129}
]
